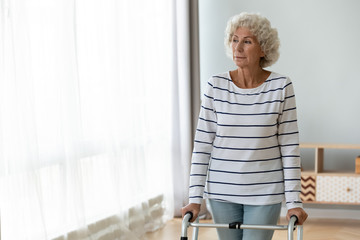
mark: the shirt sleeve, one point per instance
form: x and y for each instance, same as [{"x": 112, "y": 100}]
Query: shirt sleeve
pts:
[
  {"x": 288, "y": 136},
  {"x": 203, "y": 144}
]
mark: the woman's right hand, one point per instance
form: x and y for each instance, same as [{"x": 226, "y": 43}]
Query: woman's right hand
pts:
[{"x": 191, "y": 207}]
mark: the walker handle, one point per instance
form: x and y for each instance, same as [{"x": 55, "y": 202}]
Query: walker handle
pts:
[
  {"x": 191, "y": 215},
  {"x": 185, "y": 224},
  {"x": 291, "y": 227},
  {"x": 297, "y": 220}
]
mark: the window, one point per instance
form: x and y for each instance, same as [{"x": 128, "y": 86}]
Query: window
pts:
[{"x": 85, "y": 112}]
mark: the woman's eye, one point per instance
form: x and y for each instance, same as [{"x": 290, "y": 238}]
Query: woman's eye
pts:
[
  {"x": 235, "y": 40},
  {"x": 247, "y": 41}
]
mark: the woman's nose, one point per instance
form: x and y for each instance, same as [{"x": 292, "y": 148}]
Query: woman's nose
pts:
[{"x": 239, "y": 47}]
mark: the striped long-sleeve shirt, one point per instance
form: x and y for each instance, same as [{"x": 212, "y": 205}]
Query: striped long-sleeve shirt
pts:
[{"x": 246, "y": 147}]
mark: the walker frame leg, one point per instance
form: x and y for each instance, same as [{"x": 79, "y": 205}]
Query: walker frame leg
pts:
[{"x": 196, "y": 231}]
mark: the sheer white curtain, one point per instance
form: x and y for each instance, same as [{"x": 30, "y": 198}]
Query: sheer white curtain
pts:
[{"x": 85, "y": 118}]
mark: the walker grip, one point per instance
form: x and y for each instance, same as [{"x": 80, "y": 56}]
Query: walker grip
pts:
[
  {"x": 191, "y": 215},
  {"x": 297, "y": 220}
]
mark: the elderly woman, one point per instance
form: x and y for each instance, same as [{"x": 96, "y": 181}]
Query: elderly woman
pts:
[{"x": 246, "y": 150}]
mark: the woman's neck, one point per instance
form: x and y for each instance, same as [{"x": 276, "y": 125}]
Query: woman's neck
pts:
[{"x": 249, "y": 78}]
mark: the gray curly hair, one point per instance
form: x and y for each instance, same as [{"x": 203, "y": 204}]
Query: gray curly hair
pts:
[{"x": 262, "y": 30}]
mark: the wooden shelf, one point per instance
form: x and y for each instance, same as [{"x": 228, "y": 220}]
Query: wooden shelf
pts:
[
  {"x": 329, "y": 173},
  {"x": 329, "y": 145},
  {"x": 329, "y": 187},
  {"x": 319, "y": 152},
  {"x": 334, "y": 203}
]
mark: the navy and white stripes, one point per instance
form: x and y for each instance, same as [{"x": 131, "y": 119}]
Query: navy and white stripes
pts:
[{"x": 246, "y": 147}]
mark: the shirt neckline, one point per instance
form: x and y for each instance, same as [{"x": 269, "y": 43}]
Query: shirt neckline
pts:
[{"x": 249, "y": 90}]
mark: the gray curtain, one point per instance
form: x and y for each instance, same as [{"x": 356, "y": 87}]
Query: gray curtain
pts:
[{"x": 186, "y": 95}]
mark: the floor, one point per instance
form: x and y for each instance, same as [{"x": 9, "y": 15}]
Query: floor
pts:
[{"x": 314, "y": 229}]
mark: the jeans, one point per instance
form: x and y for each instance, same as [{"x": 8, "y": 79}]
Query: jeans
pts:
[{"x": 224, "y": 212}]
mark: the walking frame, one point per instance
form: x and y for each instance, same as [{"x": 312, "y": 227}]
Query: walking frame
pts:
[{"x": 238, "y": 225}]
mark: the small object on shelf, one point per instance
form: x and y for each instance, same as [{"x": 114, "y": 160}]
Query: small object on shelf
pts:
[{"x": 357, "y": 165}]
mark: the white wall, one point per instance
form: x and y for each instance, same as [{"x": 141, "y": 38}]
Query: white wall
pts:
[{"x": 320, "y": 52}]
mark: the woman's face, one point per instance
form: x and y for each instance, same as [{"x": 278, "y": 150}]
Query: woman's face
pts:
[{"x": 246, "y": 48}]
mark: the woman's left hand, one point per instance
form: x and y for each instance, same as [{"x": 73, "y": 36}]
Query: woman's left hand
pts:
[{"x": 299, "y": 213}]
